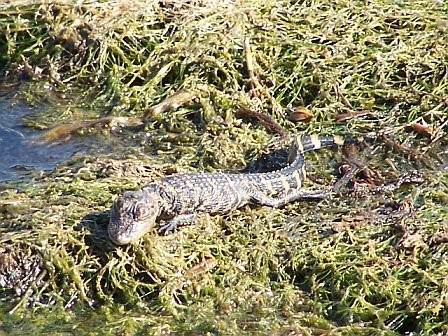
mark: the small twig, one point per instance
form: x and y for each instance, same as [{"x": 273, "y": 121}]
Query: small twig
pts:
[
  {"x": 63, "y": 132},
  {"x": 257, "y": 92},
  {"x": 402, "y": 148},
  {"x": 204, "y": 266},
  {"x": 264, "y": 119},
  {"x": 352, "y": 115},
  {"x": 172, "y": 102},
  {"x": 253, "y": 82}
]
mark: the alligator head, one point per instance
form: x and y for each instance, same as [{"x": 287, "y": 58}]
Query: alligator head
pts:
[{"x": 133, "y": 215}]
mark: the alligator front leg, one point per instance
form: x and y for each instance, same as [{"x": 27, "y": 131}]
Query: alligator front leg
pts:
[
  {"x": 179, "y": 220},
  {"x": 291, "y": 196}
]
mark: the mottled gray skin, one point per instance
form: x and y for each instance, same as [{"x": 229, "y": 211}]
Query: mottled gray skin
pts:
[{"x": 177, "y": 199}]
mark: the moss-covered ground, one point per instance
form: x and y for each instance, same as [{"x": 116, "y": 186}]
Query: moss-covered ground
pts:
[{"x": 352, "y": 264}]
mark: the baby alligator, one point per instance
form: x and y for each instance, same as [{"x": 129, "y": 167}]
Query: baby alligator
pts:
[{"x": 178, "y": 198}]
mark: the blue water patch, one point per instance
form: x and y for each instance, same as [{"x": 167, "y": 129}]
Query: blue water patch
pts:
[{"x": 21, "y": 156}]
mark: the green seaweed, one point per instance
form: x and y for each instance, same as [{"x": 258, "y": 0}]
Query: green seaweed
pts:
[{"x": 342, "y": 266}]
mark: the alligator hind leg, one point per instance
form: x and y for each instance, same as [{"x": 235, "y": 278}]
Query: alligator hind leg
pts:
[
  {"x": 291, "y": 196},
  {"x": 179, "y": 220}
]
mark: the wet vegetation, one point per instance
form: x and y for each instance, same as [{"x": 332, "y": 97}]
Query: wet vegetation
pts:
[{"x": 165, "y": 79}]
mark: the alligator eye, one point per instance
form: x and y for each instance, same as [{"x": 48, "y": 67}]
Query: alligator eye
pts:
[{"x": 141, "y": 212}]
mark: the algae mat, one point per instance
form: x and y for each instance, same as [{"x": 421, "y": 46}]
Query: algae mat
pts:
[{"x": 366, "y": 260}]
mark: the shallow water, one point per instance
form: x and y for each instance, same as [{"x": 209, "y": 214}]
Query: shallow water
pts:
[{"x": 20, "y": 155}]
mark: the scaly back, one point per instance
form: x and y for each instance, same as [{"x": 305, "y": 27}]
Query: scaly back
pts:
[{"x": 293, "y": 175}]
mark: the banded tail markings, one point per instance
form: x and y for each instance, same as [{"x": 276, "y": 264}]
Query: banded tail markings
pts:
[
  {"x": 299, "y": 176},
  {"x": 268, "y": 185}
]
